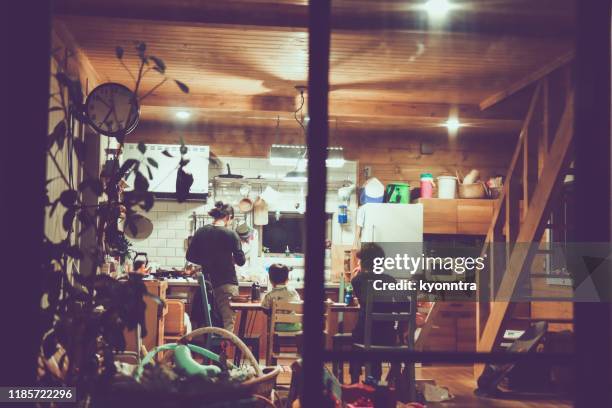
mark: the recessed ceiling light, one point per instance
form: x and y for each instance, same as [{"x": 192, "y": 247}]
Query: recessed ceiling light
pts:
[
  {"x": 183, "y": 114},
  {"x": 437, "y": 8},
  {"x": 452, "y": 124}
]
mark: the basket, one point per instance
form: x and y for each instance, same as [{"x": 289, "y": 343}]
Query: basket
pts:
[
  {"x": 265, "y": 379},
  {"x": 474, "y": 190}
]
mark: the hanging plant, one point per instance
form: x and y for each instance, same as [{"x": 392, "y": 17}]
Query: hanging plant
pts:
[{"x": 85, "y": 313}]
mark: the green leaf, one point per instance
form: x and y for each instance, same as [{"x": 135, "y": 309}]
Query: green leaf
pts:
[
  {"x": 80, "y": 150},
  {"x": 140, "y": 182},
  {"x": 53, "y": 207},
  {"x": 119, "y": 52},
  {"x": 68, "y": 198},
  {"x": 68, "y": 219},
  {"x": 167, "y": 153},
  {"x": 59, "y": 134},
  {"x": 152, "y": 162},
  {"x": 142, "y": 147},
  {"x": 182, "y": 86},
  {"x": 141, "y": 48},
  {"x": 147, "y": 201},
  {"x": 159, "y": 64}
]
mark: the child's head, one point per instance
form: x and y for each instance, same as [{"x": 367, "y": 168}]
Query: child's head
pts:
[
  {"x": 366, "y": 255},
  {"x": 279, "y": 274}
]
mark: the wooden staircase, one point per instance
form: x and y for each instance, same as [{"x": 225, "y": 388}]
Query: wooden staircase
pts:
[{"x": 536, "y": 173}]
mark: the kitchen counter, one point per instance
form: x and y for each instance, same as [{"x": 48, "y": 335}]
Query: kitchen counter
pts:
[{"x": 242, "y": 284}]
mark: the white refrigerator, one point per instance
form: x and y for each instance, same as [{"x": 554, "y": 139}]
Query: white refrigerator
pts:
[{"x": 397, "y": 228}]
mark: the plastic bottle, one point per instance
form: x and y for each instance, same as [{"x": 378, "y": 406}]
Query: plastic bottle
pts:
[
  {"x": 348, "y": 294},
  {"x": 427, "y": 184}
]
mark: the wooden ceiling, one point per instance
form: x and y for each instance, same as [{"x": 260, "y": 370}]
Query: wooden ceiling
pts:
[{"x": 243, "y": 58}]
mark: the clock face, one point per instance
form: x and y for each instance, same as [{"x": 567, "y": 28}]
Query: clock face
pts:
[{"x": 112, "y": 109}]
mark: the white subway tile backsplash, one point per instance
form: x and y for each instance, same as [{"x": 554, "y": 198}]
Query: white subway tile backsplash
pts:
[
  {"x": 175, "y": 261},
  {"x": 175, "y": 243},
  {"x": 178, "y": 225},
  {"x": 160, "y": 224},
  {"x": 165, "y": 233},
  {"x": 160, "y": 206},
  {"x": 165, "y": 251}
]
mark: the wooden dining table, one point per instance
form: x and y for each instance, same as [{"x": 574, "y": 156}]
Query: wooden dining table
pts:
[
  {"x": 340, "y": 318},
  {"x": 245, "y": 308}
]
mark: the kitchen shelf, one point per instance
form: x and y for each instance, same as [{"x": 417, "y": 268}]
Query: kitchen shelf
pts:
[{"x": 460, "y": 216}]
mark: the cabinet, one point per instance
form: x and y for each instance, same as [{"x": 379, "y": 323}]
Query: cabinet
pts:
[{"x": 457, "y": 216}]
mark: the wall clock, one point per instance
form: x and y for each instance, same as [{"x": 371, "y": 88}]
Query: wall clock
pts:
[{"x": 112, "y": 110}]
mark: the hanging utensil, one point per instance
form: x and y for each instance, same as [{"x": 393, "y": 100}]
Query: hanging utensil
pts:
[{"x": 229, "y": 174}]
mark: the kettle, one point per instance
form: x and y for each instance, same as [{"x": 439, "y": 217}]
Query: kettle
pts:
[{"x": 397, "y": 193}]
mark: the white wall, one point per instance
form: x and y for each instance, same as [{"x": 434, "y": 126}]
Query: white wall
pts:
[{"x": 171, "y": 220}]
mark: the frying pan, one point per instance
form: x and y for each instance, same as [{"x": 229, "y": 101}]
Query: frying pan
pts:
[
  {"x": 229, "y": 174},
  {"x": 245, "y": 205}
]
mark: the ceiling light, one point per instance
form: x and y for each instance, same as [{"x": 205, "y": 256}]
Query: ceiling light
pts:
[
  {"x": 437, "y": 8},
  {"x": 183, "y": 114},
  {"x": 452, "y": 124}
]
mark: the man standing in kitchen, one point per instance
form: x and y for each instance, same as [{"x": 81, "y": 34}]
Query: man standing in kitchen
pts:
[{"x": 218, "y": 249}]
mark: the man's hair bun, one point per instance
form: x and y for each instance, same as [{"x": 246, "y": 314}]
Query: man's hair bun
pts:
[{"x": 221, "y": 210}]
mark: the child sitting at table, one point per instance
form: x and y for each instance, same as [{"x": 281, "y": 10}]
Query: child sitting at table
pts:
[
  {"x": 385, "y": 333},
  {"x": 278, "y": 276}
]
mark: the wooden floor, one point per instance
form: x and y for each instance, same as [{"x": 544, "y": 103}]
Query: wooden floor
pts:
[{"x": 460, "y": 382}]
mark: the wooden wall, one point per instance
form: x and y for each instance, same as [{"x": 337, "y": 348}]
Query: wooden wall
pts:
[{"x": 391, "y": 154}]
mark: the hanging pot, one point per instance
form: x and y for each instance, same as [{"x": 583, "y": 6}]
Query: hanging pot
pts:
[{"x": 260, "y": 214}]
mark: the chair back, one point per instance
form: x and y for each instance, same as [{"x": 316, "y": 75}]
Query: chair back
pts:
[
  {"x": 282, "y": 312},
  {"x": 286, "y": 312},
  {"x": 390, "y": 306}
]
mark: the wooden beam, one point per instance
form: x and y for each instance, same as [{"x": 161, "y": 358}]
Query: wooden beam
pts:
[
  {"x": 78, "y": 63},
  {"x": 526, "y": 81},
  {"x": 205, "y": 119},
  {"x": 338, "y": 106}
]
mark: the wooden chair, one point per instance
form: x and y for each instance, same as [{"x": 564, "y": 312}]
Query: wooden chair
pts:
[
  {"x": 174, "y": 325},
  {"x": 283, "y": 312},
  {"x": 400, "y": 307}
]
